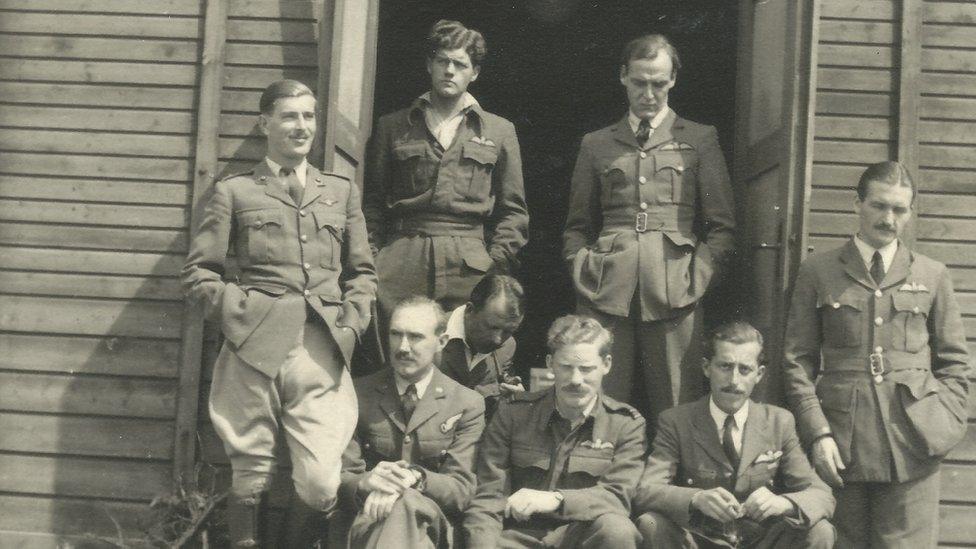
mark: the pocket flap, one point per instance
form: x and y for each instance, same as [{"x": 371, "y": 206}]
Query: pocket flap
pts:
[
  {"x": 525, "y": 456},
  {"x": 477, "y": 259},
  {"x": 267, "y": 290},
  {"x": 482, "y": 154},
  {"x": 410, "y": 150},
  {"x": 843, "y": 300},
  {"x": 836, "y": 396},
  {"x": 681, "y": 239},
  {"x": 331, "y": 220},
  {"x": 259, "y": 218},
  {"x": 909, "y": 302},
  {"x": 920, "y": 386},
  {"x": 669, "y": 160}
]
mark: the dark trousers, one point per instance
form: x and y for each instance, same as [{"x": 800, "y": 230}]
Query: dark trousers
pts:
[
  {"x": 660, "y": 532},
  {"x": 606, "y": 532},
  {"x": 889, "y": 515},
  {"x": 415, "y": 522}
]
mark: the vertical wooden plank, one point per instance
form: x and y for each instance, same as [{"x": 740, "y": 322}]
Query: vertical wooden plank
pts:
[
  {"x": 909, "y": 74},
  {"x": 800, "y": 238},
  {"x": 369, "y": 82},
  {"x": 330, "y": 37},
  {"x": 205, "y": 169}
]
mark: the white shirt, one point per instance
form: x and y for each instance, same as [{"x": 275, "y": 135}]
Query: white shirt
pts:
[
  {"x": 402, "y": 384},
  {"x": 299, "y": 169},
  {"x": 455, "y": 330},
  {"x": 445, "y": 128},
  {"x": 740, "y": 420},
  {"x": 655, "y": 122},
  {"x": 586, "y": 413},
  {"x": 867, "y": 252}
]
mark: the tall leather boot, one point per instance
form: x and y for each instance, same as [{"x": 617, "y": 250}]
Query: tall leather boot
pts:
[
  {"x": 304, "y": 526},
  {"x": 244, "y": 519}
]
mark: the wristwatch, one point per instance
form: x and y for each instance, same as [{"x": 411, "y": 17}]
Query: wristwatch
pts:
[
  {"x": 560, "y": 498},
  {"x": 421, "y": 484}
]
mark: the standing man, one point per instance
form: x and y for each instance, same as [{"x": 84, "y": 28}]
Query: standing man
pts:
[
  {"x": 444, "y": 200},
  {"x": 730, "y": 472},
  {"x": 650, "y": 229},
  {"x": 877, "y": 327},
  {"x": 480, "y": 347},
  {"x": 291, "y": 319},
  {"x": 410, "y": 466},
  {"x": 557, "y": 467}
]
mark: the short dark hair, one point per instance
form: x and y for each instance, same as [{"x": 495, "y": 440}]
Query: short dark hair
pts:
[
  {"x": 574, "y": 329},
  {"x": 279, "y": 90},
  {"x": 648, "y": 47},
  {"x": 736, "y": 331},
  {"x": 452, "y": 35},
  {"x": 500, "y": 286},
  {"x": 888, "y": 172},
  {"x": 424, "y": 301}
]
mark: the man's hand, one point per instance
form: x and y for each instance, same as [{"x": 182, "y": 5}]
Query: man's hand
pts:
[
  {"x": 827, "y": 461},
  {"x": 508, "y": 389},
  {"x": 763, "y": 504},
  {"x": 717, "y": 503},
  {"x": 388, "y": 477},
  {"x": 378, "y": 505},
  {"x": 526, "y": 502}
]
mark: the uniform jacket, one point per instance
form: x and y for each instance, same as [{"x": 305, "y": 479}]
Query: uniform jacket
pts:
[
  {"x": 599, "y": 476},
  {"x": 289, "y": 256},
  {"x": 677, "y": 188},
  {"x": 687, "y": 457},
  {"x": 441, "y": 437},
  {"x": 474, "y": 188},
  {"x": 484, "y": 377},
  {"x": 915, "y": 410}
]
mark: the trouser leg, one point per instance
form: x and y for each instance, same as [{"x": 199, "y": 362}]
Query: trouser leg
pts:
[
  {"x": 659, "y": 532},
  {"x": 670, "y": 357},
  {"x": 415, "y": 522},
  {"x": 905, "y": 515},
  {"x": 245, "y": 516},
  {"x": 608, "y": 530},
  {"x": 619, "y": 382},
  {"x": 782, "y": 536}
]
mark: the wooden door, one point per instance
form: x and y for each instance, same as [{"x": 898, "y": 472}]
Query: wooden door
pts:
[{"x": 770, "y": 142}]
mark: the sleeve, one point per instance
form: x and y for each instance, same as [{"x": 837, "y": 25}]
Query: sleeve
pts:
[
  {"x": 509, "y": 223},
  {"x": 613, "y": 492},
  {"x": 483, "y": 518},
  {"x": 376, "y": 184},
  {"x": 715, "y": 197},
  {"x": 950, "y": 353},
  {"x": 206, "y": 262},
  {"x": 584, "y": 219},
  {"x": 798, "y": 482},
  {"x": 358, "y": 278},
  {"x": 353, "y": 469},
  {"x": 452, "y": 485},
  {"x": 657, "y": 490}
]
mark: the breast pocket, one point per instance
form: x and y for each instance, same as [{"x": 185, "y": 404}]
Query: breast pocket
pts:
[
  {"x": 669, "y": 172},
  {"x": 433, "y": 452},
  {"x": 842, "y": 320},
  {"x": 330, "y": 233},
  {"x": 477, "y": 164},
  {"x": 909, "y": 323},
  {"x": 258, "y": 230},
  {"x": 414, "y": 167},
  {"x": 586, "y": 466},
  {"x": 616, "y": 187}
]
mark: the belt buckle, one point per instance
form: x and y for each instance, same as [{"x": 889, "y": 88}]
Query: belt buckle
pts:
[
  {"x": 641, "y": 222},
  {"x": 877, "y": 366}
]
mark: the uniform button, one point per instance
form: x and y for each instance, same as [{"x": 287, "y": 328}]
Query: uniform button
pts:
[
  {"x": 690, "y": 481},
  {"x": 406, "y": 439},
  {"x": 643, "y": 154},
  {"x": 878, "y": 293},
  {"x": 443, "y": 452},
  {"x": 302, "y": 213},
  {"x": 727, "y": 475},
  {"x": 642, "y": 179},
  {"x": 643, "y": 205},
  {"x": 263, "y": 178},
  {"x": 915, "y": 309},
  {"x": 307, "y": 266},
  {"x": 307, "y": 293},
  {"x": 879, "y": 349},
  {"x": 304, "y": 238},
  {"x": 836, "y": 305},
  {"x": 878, "y": 321}
]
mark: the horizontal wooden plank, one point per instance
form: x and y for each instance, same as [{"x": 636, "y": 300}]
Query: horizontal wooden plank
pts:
[
  {"x": 849, "y": 55},
  {"x": 949, "y": 108},
  {"x": 874, "y": 80},
  {"x": 852, "y": 152},
  {"x": 76, "y": 285},
  {"x": 53, "y": 94},
  {"x": 98, "y": 72},
  {"x": 946, "y": 156},
  {"x": 295, "y": 9},
  {"x": 95, "y": 238},
  {"x": 105, "y": 396},
  {"x": 86, "y": 142},
  {"x": 956, "y": 524},
  {"x": 239, "y": 125},
  {"x": 251, "y": 148},
  {"x": 882, "y": 10},
  {"x": 89, "y": 355},
  {"x": 857, "y": 31},
  {"x": 950, "y": 12},
  {"x": 958, "y": 483},
  {"x": 966, "y": 449},
  {"x": 69, "y": 515},
  {"x": 928, "y": 204},
  {"x": 948, "y": 36},
  {"x": 255, "y": 78},
  {"x": 272, "y": 30},
  {"x": 32, "y": 116},
  {"x": 162, "y": 7},
  {"x": 90, "y": 316},
  {"x": 86, "y": 436},
  {"x": 286, "y": 55},
  {"x": 948, "y": 84},
  {"x": 864, "y": 104},
  {"x": 943, "y": 132},
  {"x": 113, "y": 49},
  {"x": 97, "y": 24},
  {"x": 851, "y": 127},
  {"x": 43, "y": 211},
  {"x": 953, "y": 254},
  {"x": 88, "y": 190},
  {"x": 963, "y": 230},
  {"x": 836, "y": 175},
  {"x": 158, "y": 169},
  {"x": 944, "y": 59},
  {"x": 71, "y": 476},
  {"x": 240, "y": 101},
  {"x": 88, "y": 261}
]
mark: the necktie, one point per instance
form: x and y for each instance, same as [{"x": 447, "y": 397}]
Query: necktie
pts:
[
  {"x": 295, "y": 188},
  {"x": 877, "y": 268},
  {"x": 727, "y": 444},
  {"x": 409, "y": 401},
  {"x": 643, "y": 131}
]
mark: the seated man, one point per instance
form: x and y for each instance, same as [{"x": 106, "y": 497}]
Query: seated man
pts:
[
  {"x": 557, "y": 467},
  {"x": 725, "y": 471},
  {"x": 480, "y": 345},
  {"x": 410, "y": 465}
]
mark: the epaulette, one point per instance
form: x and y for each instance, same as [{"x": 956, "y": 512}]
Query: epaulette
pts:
[
  {"x": 339, "y": 175},
  {"x": 620, "y": 407},
  {"x": 237, "y": 174},
  {"x": 528, "y": 396}
]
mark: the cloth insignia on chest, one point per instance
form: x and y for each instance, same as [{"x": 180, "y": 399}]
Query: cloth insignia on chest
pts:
[
  {"x": 329, "y": 201},
  {"x": 769, "y": 456},
  {"x": 676, "y": 146},
  {"x": 483, "y": 141},
  {"x": 913, "y": 287},
  {"x": 597, "y": 444},
  {"x": 450, "y": 422}
]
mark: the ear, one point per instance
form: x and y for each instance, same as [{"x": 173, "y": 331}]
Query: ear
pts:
[
  {"x": 623, "y": 74},
  {"x": 475, "y": 72},
  {"x": 857, "y": 204},
  {"x": 430, "y": 65},
  {"x": 607, "y": 364},
  {"x": 442, "y": 341},
  {"x": 705, "y": 363},
  {"x": 263, "y": 123},
  {"x": 549, "y": 362},
  {"x": 760, "y": 371}
]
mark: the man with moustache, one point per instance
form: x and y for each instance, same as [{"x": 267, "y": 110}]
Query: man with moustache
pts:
[
  {"x": 480, "y": 346},
  {"x": 557, "y": 467},
  {"x": 444, "y": 200},
  {"x": 877, "y": 370},
  {"x": 291, "y": 319},
  {"x": 649, "y": 230},
  {"x": 726, "y": 471},
  {"x": 409, "y": 469}
]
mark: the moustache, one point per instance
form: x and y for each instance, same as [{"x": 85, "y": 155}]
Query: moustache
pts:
[
  {"x": 884, "y": 227},
  {"x": 403, "y": 355},
  {"x": 732, "y": 391}
]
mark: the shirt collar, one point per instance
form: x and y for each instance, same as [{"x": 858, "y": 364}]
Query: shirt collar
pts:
[
  {"x": 867, "y": 252},
  {"x": 587, "y": 412},
  {"x": 300, "y": 170},
  {"x": 655, "y": 122},
  {"x": 719, "y": 416},
  {"x": 468, "y": 104},
  {"x": 401, "y": 384},
  {"x": 455, "y": 330}
]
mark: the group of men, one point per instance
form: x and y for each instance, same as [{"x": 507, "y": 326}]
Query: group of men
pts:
[{"x": 445, "y": 447}]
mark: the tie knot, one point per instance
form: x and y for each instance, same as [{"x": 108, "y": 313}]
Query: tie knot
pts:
[
  {"x": 411, "y": 390},
  {"x": 645, "y": 124},
  {"x": 729, "y": 422},
  {"x": 285, "y": 172}
]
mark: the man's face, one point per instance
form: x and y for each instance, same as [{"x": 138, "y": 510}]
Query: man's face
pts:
[
  {"x": 413, "y": 341},
  {"x": 487, "y": 329},
  {"x": 733, "y": 373},
  {"x": 578, "y": 371},
  {"x": 648, "y": 82},
  {"x": 451, "y": 72},
  {"x": 883, "y": 213},
  {"x": 290, "y": 128}
]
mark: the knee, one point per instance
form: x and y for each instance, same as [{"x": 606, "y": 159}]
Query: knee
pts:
[
  {"x": 657, "y": 530},
  {"x": 248, "y": 484},
  {"x": 318, "y": 491},
  {"x": 613, "y": 531},
  {"x": 821, "y": 535}
]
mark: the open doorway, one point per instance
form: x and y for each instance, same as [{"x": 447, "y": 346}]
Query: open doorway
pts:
[{"x": 552, "y": 69}]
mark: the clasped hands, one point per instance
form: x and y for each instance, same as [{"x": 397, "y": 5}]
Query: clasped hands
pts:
[
  {"x": 385, "y": 483},
  {"x": 721, "y": 505},
  {"x": 526, "y": 502}
]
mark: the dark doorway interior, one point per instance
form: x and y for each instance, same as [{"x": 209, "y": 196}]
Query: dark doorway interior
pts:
[{"x": 552, "y": 69}]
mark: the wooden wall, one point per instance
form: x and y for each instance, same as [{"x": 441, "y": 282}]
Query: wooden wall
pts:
[{"x": 897, "y": 80}]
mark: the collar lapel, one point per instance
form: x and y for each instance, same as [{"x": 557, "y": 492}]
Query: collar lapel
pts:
[
  {"x": 754, "y": 439},
  {"x": 272, "y": 185},
  {"x": 314, "y": 183},
  {"x": 705, "y": 432},
  {"x": 900, "y": 266},
  {"x": 453, "y": 358},
  {"x": 390, "y": 402},
  {"x": 662, "y": 134},
  {"x": 428, "y": 405},
  {"x": 854, "y": 265},
  {"x": 622, "y": 133}
]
